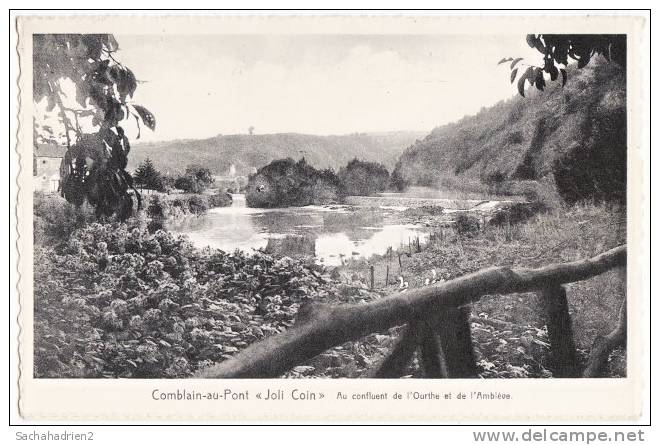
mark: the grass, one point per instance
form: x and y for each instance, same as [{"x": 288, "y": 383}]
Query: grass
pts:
[{"x": 564, "y": 234}]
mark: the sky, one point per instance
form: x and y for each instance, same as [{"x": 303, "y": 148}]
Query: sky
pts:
[{"x": 202, "y": 86}]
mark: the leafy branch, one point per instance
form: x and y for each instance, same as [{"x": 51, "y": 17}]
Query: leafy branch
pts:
[
  {"x": 557, "y": 49},
  {"x": 103, "y": 86}
]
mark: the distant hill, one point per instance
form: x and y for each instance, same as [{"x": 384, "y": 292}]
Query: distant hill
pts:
[
  {"x": 250, "y": 152},
  {"x": 574, "y": 136}
]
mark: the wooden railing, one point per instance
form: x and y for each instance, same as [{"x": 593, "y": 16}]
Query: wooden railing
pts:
[{"x": 436, "y": 323}]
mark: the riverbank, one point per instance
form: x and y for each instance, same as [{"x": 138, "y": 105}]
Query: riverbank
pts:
[
  {"x": 565, "y": 234},
  {"x": 176, "y": 205},
  {"x": 114, "y": 300}
]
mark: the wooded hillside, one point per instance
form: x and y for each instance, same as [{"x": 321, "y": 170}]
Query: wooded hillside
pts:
[
  {"x": 248, "y": 152},
  {"x": 574, "y": 135}
]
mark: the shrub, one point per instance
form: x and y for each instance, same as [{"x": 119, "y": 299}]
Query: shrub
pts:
[
  {"x": 397, "y": 181},
  {"x": 55, "y": 218},
  {"x": 219, "y": 200},
  {"x": 467, "y": 225},
  {"x": 155, "y": 208},
  {"x": 517, "y": 213},
  {"x": 188, "y": 184},
  {"x": 197, "y": 204}
]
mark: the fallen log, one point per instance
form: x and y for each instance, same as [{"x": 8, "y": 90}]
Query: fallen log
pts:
[{"x": 326, "y": 326}]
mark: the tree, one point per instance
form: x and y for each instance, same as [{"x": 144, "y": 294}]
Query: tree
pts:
[
  {"x": 196, "y": 179},
  {"x": 251, "y": 130},
  {"x": 558, "y": 48},
  {"x": 94, "y": 166},
  {"x": 201, "y": 174},
  {"x": 285, "y": 182},
  {"x": 147, "y": 176},
  {"x": 363, "y": 178}
]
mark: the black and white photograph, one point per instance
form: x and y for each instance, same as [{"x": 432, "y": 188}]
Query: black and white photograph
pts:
[
  {"x": 184, "y": 225},
  {"x": 305, "y": 205}
]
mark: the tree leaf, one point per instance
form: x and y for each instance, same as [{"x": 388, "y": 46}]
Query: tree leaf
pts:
[
  {"x": 504, "y": 60},
  {"x": 584, "y": 60},
  {"x": 539, "y": 80},
  {"x": 513, "y": 74},
  {"x": 126, "y": 83},
  {"x": 521, "y": 86},
  {"x": 515, "y": 62},
  {"x": 146, "y": 116},
  {"x": 531, "y": 40},
  {"x": 530, "y": 74}
]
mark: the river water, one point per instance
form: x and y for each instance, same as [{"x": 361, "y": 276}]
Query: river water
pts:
[{"x": 330, "y": 233}]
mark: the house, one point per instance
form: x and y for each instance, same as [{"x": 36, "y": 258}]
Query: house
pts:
[{"x": 47, "y": 159}]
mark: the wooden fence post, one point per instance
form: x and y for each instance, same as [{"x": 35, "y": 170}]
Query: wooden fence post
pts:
[
  {"x": 371, "y": 275},
  {"x": 560, "y": 332},
  {"x": 433, "y": 362},
  {"x": 604, "y": 345},
  {"x": 456, "y": 342},
  {"x": 396, "y": 362},
  {"x": 387, "y": 275}
]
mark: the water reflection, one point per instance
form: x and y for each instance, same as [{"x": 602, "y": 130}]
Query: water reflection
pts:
[{"x": 329, "y": 233}]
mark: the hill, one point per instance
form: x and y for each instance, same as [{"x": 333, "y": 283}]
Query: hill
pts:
[
  {"x": 250, "y": 152},
  {"x": 573, "y": 137}
]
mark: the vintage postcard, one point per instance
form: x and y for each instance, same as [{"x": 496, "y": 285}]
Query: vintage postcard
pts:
[{"x": 334, "y": 219}]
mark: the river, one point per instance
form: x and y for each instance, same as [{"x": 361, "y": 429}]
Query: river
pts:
[{"x": 330, "y": 233}]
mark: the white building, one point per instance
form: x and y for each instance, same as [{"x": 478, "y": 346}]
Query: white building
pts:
[{"x": 47, "y": 159}]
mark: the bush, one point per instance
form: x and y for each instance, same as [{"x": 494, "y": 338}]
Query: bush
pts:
[
  {"x": 197, "y": 204},
  {"x": 55, "y": 218},
  {"x": 188, "y": 184},
  {"x": 397, "y": 182},
  {"x": 517, "y": 213},
  {"x": 219, "y": 200},
  {"x": 155, "y": 208},
  {"x": 467, "y": 225}
]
